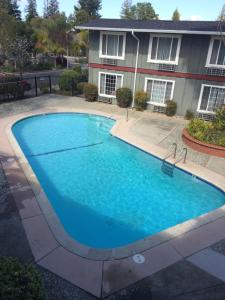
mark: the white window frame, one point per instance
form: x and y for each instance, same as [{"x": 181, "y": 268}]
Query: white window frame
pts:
[
  {"x": 158, "y": 79},
  {"x": 208, "y": 65},
  {"x": 158, "y": 61},
  {"x": 112, "y": 56},
  {"x": 99, "y": 83},
  {"x": 200, "y": 98}
]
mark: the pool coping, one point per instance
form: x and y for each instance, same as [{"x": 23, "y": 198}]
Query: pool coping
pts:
[{"x": 57, "y": 236}]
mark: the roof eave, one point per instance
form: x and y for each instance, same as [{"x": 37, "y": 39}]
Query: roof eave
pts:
[{"x": 150, "y": 30}]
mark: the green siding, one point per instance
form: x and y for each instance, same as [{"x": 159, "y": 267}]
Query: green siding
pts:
[{"x": 192, "y": 59}]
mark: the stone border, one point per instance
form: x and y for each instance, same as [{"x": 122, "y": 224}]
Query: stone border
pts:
[
  {"x": 203, "y": 147},
  {"x": 88, "y": 268}
]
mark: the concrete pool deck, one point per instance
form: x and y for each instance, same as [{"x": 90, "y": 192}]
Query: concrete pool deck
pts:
[{"x": 105, "y": 277}]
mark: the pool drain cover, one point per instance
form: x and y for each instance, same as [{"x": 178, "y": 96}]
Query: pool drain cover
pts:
[
  {"x": 138, "y": 259},
  {"x": 10, "y": 159}
]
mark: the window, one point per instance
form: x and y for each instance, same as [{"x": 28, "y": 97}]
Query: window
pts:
[
  {"x": 216, "y": 54},
  {"x": 159, "y": 91},
  {"x": 211, "y": 98},
  {"x": 109, "y": 83},
  {"x": 164, "y": 49},
  {"x": 112, "y": 45}
]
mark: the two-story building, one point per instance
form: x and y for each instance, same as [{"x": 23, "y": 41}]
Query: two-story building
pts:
[{"x": 183, "y": 61}]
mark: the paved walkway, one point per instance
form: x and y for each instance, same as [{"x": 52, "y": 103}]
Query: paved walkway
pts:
[
  {"x": 153, "y": 128},
  {"x": 190, "y": 278}
]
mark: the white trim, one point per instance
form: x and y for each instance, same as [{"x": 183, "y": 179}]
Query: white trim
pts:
[
  {"x": 157, "y": 79},
  {"x": 200, "y": 98},
  {"x": 152, "y": 30},
  {"x": 157, "y": 61},
  {"x": 136, "y": 66},
  {"x": 99, "y": 82},
  {"x": 208, "y": 65},
  {"x": 112, "y": 56}
]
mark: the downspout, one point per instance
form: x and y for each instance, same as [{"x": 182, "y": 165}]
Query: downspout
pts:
[{"x": 136, "y": 66}]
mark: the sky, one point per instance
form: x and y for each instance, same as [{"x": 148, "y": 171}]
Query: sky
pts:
[{"x": 189, "y": 9}]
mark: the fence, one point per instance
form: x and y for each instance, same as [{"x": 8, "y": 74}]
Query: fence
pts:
[{"x": 28, "y": 87}]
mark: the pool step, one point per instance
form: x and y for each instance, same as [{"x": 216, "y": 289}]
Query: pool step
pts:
[
  {"x": 105, "y": 127},
  {"x": 167, "y": 168}
]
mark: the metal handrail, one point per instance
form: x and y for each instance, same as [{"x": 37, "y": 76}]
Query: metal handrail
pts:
[
  {"x": 183, "y": 157},
  {"x": 174, "y": 152}
]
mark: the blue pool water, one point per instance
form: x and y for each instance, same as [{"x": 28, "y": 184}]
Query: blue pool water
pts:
[{"x": 105, "y": 192}]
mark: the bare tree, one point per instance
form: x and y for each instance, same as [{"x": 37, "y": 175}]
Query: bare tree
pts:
[{"x": 19, "y": 50}]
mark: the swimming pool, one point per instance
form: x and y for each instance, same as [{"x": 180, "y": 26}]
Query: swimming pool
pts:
[{"x": 105, "y": 192}]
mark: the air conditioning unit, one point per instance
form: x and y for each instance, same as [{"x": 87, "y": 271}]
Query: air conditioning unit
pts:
[
  {"x": 108, "y": 61},
  {"x": 167, "y": 67},
  {"x": 206, "y": 117},
  {"x": 215, "y": 72},
  {"x": 105, "y": 99}
]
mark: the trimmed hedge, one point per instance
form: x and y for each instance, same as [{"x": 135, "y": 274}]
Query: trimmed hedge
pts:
[
  {"x": 124, "y": 97},
  {"x": 189, "y": 115},
  {"x": 90, "y": 92},
  {"x": 19, "y": 282},
  {"x": 171, "y": 108},
  {"x": 80, "y": 87},
  {"x": 140, "y": 100}
]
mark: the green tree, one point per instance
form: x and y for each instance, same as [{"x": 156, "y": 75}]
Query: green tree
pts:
[
  {"x": 127, "y": 10},
  {"x": 13, "y": 9},
  {"x": 7, "y": 29},
  {"x": 53, "y": 8},
  {"x": 176, "y": 15},
  {"x": 50, "y": 34},
  {"x": 221, "y": 16},
  {"x": 141, "y": 11},
  {"x": 92, "y": 7},
  {"x": 31, "y": 10},
  {"x": 81, "y": 16}
]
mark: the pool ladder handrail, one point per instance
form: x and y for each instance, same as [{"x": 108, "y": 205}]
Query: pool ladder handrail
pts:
[
  {"x": 180, "y": 156},
  {"x": 174, "y": 153}
]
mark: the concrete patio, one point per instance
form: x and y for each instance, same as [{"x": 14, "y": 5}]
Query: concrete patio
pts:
[{"x": 185, "y": 259}]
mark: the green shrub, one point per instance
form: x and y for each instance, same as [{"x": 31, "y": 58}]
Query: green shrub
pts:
[
  {"x": 7, "y": 69},
  {"x": 41, "y": 66},
  {"x": 90, "y": 92},
  {"x": 80, "y": 87},
  {"x": 200, "y": 129},
  {"x": 207, "y": 131},
  {"x": 124, "y": 97},
  {"x": 44, "y": 86},
  {"x": 77, "y": 69},
  {"x": 220, "y": 118},
  {"x": 216, "y": 137},
  {"x": 68, "y": 80},
  {"x": 18, "y": 282},
  {"x": 189, "y": 115},
  {"x": 140, "y": 100},
  {"x": 13, "y": 89},
  {"x": 171, "y": 108}
]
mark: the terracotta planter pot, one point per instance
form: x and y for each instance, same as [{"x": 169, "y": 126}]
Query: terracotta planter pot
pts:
[{"x": 202, "y": 146}]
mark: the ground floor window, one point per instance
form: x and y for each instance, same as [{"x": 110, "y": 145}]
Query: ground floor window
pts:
[
  {"x": 109, "y": 83},
  {"x": 211, "y": 98},
  {"x": 159, "y": 90}
]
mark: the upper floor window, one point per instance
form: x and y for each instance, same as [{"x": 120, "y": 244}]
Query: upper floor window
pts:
[
  {"x": 112, "y": 45},
  {"x": 164, "y": 49},
  {"x": 159, "y": 90},
  {"x": 211, "y": 98},
  {"x": 216, "y": 54}
]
